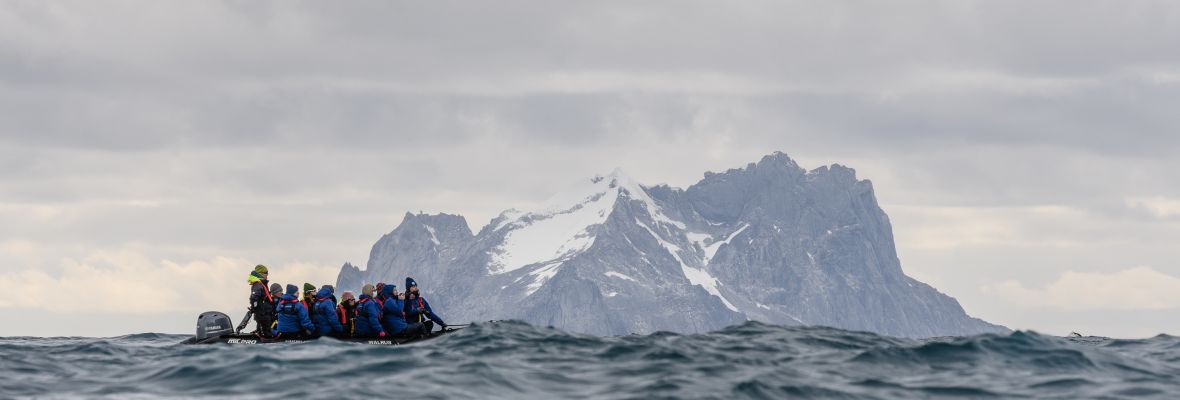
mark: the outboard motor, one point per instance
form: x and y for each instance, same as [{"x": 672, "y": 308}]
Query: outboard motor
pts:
[{"x": 213, "y": 324}]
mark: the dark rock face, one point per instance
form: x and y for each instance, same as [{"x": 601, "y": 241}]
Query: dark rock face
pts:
[{"x": 770, "y": 242}]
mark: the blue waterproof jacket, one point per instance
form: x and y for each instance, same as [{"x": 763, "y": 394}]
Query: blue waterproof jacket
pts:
[
  {"x": 327, "y": 321},
  {"x": 416, "y": 308},
  {"x": 368, "y": 321},
  {"x": 292, "y": 313},
  {"x": 394, "y": 318}
]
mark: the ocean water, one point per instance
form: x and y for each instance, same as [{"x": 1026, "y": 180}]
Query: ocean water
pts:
[{"x": 514, "y": 360}]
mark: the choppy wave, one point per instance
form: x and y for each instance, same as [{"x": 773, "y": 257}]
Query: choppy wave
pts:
[{"x": 517, "y": 360}]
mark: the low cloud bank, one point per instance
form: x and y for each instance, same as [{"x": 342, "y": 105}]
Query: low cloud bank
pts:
[
  {"x": 127, "y": 282},
  {"x": 1138, "y": 288}
]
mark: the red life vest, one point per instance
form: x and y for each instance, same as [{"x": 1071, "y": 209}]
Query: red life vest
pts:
[
  {"x": 266, "y": 291},
  {"x": 292, "y": 310},
  {"x": 421, "y": 308},
  {"x": 360, "y": 307}
]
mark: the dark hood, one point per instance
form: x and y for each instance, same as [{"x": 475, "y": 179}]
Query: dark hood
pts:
[
  {"x": 323, "y": 294},
  {"x": 387, "y": 291}
]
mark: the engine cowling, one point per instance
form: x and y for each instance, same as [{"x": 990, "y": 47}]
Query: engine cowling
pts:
[{"x": 213, "y": 324}]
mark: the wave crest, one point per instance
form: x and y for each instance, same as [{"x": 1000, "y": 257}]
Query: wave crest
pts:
[{"x": 513, "y": 359}]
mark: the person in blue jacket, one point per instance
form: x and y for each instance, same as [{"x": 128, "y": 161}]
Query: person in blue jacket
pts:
[
  {"x": 293, "y": 319},
  {"x": 368, "y": 315},
  {"x": 417, "y": 309},
  {"x": 325, "y": 318},
  {"x": 394, "y": 316}
]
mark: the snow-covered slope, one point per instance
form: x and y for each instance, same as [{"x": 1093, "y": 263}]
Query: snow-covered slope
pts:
[
  {"x": 769, "y": 242},
  {"x": 560, "y": 229}
]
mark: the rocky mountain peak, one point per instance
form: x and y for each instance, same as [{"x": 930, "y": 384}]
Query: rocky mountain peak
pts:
[
  {"x": 770, "y": 242},
  {"x": 777, "y": 162},
  {"x": 448, "y": 222}
]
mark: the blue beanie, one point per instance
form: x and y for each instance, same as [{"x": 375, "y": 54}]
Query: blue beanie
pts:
[
  {"x": 292, "y": 290},
  {"x": 410, "y": 282}
]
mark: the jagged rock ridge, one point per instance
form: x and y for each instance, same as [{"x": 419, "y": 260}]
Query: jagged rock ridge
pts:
[{"x": 770, "y": 242}]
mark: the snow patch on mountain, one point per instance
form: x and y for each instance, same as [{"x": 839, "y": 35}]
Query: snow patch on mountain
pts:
[
  {"x": 559, "y": 230},
  {"x": 711, "y": 250},
  {"x": 636, "y": 191},
  {"x": 697, "y": 276},
  {"x": 700, "y": 277},
  {"x": 541, "y": 275},
  {"x": 699, "y": 238},
  {"x": 433, "y": 235},
  {"x": 505, "y": 218},
  {"x": 555, "y": 232},
  {"x": 614, "y": 274}
]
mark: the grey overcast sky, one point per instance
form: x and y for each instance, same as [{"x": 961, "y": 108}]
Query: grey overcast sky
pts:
[{"x": 151, "y": 152}]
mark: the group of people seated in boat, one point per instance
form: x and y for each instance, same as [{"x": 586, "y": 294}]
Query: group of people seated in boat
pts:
[{"x": 381, "y": 311}]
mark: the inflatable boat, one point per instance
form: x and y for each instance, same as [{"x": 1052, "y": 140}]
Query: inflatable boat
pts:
[{"x": 216, "y": 327}]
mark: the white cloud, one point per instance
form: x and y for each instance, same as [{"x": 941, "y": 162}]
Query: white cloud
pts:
[
  {"x": 1158, "y": 206},
  {"x": 127, "y": 282},
  {"x": 1139, "y": 288},
  {"x": 37, "y": 212},
  {"x": 18, "y": 247},
  {"x": 984, "y": 80},
  {"x": 929, "y": 227},
  {"x": 558, "y": 81}
]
